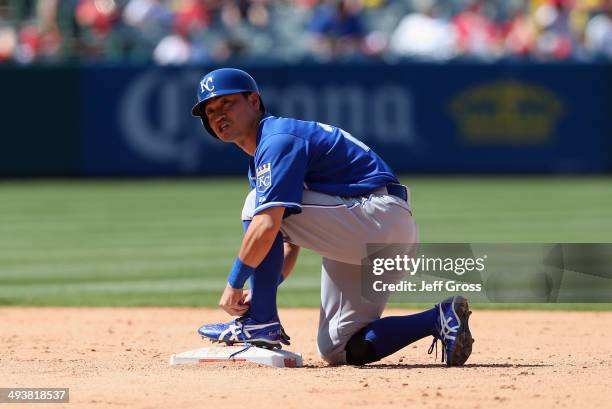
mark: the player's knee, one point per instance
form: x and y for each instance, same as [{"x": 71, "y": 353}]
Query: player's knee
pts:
[
  {"x": 331, "y": 352},
  {"x": 333, "y": 358},
  {"x": 359, "y": 350}
]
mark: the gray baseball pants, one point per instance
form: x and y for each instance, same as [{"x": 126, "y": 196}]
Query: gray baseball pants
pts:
[{"x": 338, "y": 228}]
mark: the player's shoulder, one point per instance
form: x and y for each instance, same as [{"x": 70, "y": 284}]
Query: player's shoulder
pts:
[
  {"x": 296, "y": 128},
  {"x": 279, "y": 132}
]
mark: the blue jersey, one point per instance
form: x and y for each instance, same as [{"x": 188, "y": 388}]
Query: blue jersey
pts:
[{"x": 294, "y": 155}]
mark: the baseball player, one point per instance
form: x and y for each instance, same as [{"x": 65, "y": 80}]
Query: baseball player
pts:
[{"x": 316, "y": 186}]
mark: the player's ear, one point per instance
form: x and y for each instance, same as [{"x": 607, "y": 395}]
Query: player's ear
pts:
[{"x": 254, "y": 100}]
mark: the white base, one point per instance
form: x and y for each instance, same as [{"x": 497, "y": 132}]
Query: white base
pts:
[{"x": 277, "y": 358}]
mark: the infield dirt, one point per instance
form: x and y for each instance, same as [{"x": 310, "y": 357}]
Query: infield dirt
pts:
[{"x": 118, "y": 358}]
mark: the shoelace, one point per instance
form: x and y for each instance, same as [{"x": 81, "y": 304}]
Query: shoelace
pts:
[
  {"x": 435, "y": 343},
  {"x": 240, "y": 329},
  {"x": 240, "y": 321},
  {"x": 445, "y": 332},
  {"x": 241, "y": 351}
]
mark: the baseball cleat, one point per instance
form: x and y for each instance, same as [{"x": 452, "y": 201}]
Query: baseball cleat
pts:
[
  {"x": 453, "y": 330},
  {"x": 244, "y": 330}
]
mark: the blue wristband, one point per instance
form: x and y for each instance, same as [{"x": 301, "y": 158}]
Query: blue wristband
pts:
[{"x": 239, "y": 273}]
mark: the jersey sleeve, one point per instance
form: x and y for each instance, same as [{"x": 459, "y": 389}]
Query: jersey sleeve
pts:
[{"x": 280, "y": 168}]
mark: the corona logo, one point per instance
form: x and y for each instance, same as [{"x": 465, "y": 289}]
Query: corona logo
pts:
[{"x": 507, "y": 112}]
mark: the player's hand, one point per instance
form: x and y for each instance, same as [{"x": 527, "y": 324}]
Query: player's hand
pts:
[
  {"x": 232, "y": 301},
  {"x": 246, "y": 297}
]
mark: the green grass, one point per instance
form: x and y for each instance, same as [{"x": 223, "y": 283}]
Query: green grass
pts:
[{"x": 171, "y": 242}]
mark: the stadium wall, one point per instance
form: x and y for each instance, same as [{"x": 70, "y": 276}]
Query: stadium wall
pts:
[{"x": 422, "y": 118}]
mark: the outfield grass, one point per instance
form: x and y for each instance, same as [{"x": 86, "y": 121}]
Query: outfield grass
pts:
[{"x": 171, "y": 242}]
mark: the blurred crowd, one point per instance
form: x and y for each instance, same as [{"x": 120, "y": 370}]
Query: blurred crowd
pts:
[{"x": 213, "y": 31}]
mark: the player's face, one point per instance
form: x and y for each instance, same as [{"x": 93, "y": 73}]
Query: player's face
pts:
[{"x": 232, "y": 116}]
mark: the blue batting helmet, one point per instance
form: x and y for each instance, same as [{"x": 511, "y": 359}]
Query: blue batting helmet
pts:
[{"x": 219, "y": 82}]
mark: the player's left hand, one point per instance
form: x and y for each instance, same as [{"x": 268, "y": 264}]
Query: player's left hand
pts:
[{"x": 232, "y": 301}]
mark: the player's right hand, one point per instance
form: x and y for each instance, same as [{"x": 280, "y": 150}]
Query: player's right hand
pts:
[
  {"x": 231, "y": 301},
  {"x": 246, "y": 297}
]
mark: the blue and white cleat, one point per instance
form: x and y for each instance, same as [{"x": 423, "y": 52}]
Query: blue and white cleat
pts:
[
  {"x": 453, "y": 330},
  {"x": 244, "y": 330}
]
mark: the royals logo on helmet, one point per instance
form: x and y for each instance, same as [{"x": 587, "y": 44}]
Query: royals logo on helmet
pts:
[
  {"x": 264, "y": 177},
  {"x": 207, "y": 84}
]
